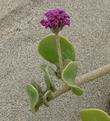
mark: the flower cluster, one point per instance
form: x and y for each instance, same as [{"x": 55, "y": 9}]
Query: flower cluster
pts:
[{"x": 56, "y": 20}]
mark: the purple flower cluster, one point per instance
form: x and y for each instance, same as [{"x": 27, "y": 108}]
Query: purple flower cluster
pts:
[{"x": 56, "y": 20}]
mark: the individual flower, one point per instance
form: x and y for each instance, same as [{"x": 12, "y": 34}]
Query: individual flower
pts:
[{"x": 56, "y": 20}]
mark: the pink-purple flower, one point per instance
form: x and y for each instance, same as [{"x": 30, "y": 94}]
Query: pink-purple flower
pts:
[{"x": 56, "y": 20}]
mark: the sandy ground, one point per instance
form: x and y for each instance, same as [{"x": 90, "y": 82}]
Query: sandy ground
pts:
[{"x": 20, "y": 32}]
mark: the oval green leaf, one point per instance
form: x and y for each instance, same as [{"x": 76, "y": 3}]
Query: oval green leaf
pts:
[
  {"x": 94, "y": 115},
  {"x": 48, "y": 79},
  {"x": 48, "y": 50},
  {"x": 37, "y": 86},
  {"x": 47, "y": 97},
  {"x": 69, "y": 74},
  {"x": 34, "y": 97}
]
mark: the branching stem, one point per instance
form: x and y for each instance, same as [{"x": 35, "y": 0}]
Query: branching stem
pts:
[{"x": 85, "y": 78}]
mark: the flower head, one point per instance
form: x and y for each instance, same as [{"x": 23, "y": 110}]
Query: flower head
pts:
[{"x": 56, "y": 20}]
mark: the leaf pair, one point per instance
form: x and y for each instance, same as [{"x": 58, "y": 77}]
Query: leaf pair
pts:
[
  {"x": 94, "y": 115},
  {"x": 48, "y": 50},
  {"x": 37, "y": 97}
]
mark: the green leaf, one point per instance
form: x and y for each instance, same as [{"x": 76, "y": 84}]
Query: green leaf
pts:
[
  {"x": 37, "y": 86},
  {"x": 34, "y": 97},
  {"x": 94, "y": 115},
  {"x": 48, "y": 50},
  {"x": 48, "y": 79},
  {"x": 47, "y": 97},
  {"x": 68, "y": 75},
  {"x": 66, "y": 62},
  {"x": 51, "y": 69}
]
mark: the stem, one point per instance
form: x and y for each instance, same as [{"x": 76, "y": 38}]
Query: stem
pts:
[
  {"x": 85, "y": 79},
  {"x": 59, "y": 52}
]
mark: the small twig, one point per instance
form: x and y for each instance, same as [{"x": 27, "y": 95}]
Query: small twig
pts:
[{"x": 85, "y": 78}]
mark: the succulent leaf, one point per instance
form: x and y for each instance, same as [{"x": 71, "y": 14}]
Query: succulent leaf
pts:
[
  {"x": 37, "y": 86},
  {"x": 48, "y": 79},
  {"x": 51, "y": 69},
  {"x": 68, "y": 76},
  {"x": 94, "y": 115},
  {"x": 48, "y": 50},
  {"x": 34, "y": 97},
  {"x": 47, "y": 97}
]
